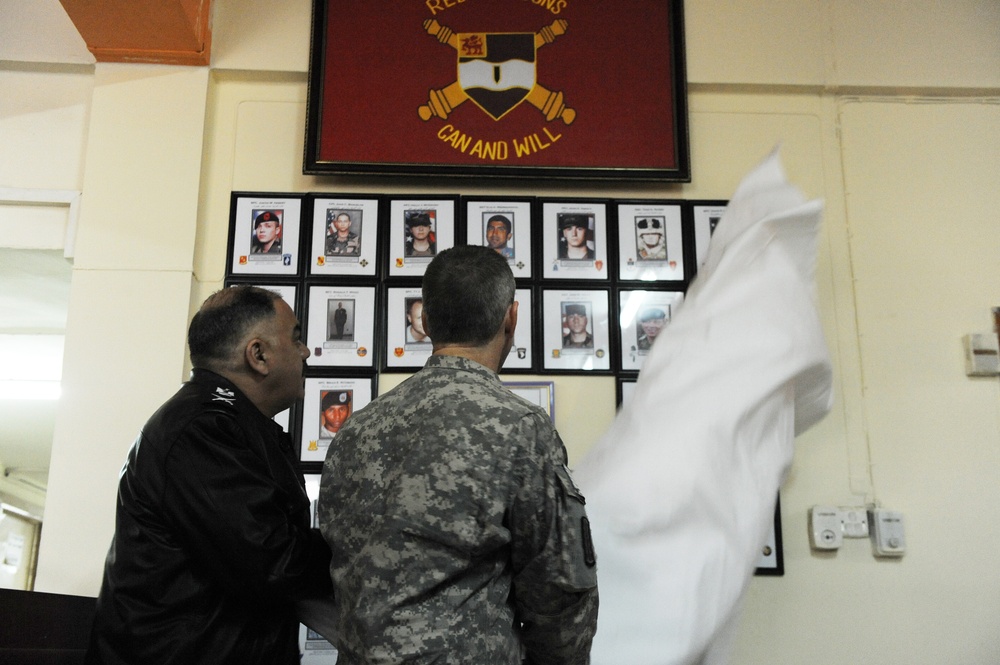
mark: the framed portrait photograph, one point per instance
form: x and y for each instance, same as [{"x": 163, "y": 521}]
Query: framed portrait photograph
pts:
[
  {"x": 539, "y": 393},
  {"x": 505, "y": 225},
  {"x": 328, "y": 403},
  {"x": 340, "y": 330},
  {"x": 344, "y": 236},
  {"x": 772, "y": 559},
  {"x": 706, "y": 215},
  {"x": 418, "y": 230},
  {"x": 642, "y": 316},
  {"x": 575, "y": 330},
  {"x": 650, "y": 242},
  {"x": 502, "y": 88},
  {"x": 624, "y": 387},
  {"x": 574, "y": 240},
  {"x": 264, "y": 233},
  {"x": 408, "y": 346},
  {"x": 522, "y": 353}
]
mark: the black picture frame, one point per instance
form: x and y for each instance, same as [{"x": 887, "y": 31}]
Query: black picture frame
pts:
[
  {"x": 575, "y": 225},
  {"x": 638, "y": 319},
  {"x": 278, "y": 255},
  {"x": 406, "y": 220},
  {"x": 344, "y": 391},
  {"x": 523, "y": 357},
  {"x": 354, "y": 342},
  {"x": 355, "y": 256},
  {"x": 441, "y": 123},
  {"x": 772, "y": 558},
  {"x": 517, "y": 214},
  {"x": 704, "y": 217},
  {"x": 641, "y": 258},
  {"x": 560, "y": 351},
  {"x": 406, "y": 349}
]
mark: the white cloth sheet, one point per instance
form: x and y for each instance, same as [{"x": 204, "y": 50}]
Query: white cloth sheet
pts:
[{"x": 681, "y": 489}]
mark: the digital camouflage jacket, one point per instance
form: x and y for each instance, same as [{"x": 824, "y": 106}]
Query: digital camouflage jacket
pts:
[{"x": 457, "y": 534}]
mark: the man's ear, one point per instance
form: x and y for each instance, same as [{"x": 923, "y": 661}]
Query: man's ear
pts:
[
  {"x": 423, "y": 323},
  {"x": 255, "y": 354},
  {"x": 510, "y": 321}
]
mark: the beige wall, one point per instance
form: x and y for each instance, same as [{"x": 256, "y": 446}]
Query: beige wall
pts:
[{"x": 888, "y": 111}]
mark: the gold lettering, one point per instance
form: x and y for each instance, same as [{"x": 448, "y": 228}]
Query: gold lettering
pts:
[
  {"x": 554, "y": 6},
  {"x": 440, "y": 5},
  {"x": 454, "y": 137},
  {"x": 490, "y": 150},
  {"x": 549, "y": 134}
]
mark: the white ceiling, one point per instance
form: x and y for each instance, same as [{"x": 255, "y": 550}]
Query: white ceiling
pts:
[{"x": 40, "y": 31}]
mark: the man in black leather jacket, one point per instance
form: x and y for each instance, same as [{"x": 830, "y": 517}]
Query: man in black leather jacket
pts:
[{"x": 213, "y": 544}]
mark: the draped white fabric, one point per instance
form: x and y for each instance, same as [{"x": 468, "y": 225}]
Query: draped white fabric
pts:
[{"x": 681, "y": 489}]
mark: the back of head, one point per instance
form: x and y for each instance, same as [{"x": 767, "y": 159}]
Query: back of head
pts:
[
  {"x": 224, "y": 321},
  {"x": 467, "y": 290}
]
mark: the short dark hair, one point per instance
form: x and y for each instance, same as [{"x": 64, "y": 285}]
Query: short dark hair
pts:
[
  {"x": 500, "y": 218},
  {"x": 224, "y": 319},
  {"x": 467, "y": 290}
]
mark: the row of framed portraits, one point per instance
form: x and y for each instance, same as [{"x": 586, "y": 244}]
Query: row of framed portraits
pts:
[
  {"x": 351, "y": 235},
  {"x": 377, "y": 326}
]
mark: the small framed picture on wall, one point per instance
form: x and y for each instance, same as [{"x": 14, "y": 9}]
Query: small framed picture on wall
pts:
[
  {"x": 419, "y": 229},
  {"x": 408, "y": 346},
  {"x": 264, "y": 234},
  {"x": 575, "y": 330},
  {"x": 706, "y": 215},
  {"x": 328, "y": 403},
  {"x": 341, "y": 326},
  {"x": 522, "y": 353},
  {"x": 642, "y": 317},
  {"x": 650, "y": 242},
  {"x": 504, "y": 225},
  {"x": 624, "y": 387},
  {"x": 344, "y": 236},
  {"x": 574, "y": 240}
]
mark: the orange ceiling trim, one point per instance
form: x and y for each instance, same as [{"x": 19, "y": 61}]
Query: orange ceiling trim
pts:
[{"x": 169, "y": 32}]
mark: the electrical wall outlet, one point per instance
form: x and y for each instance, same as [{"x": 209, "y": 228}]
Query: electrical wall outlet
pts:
[
  {"x": 887, "y": 532},
  {"x": 825, "y": 529}
]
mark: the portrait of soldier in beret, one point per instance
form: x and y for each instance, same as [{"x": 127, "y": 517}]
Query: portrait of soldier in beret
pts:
[{"x": 335, "y": 407}]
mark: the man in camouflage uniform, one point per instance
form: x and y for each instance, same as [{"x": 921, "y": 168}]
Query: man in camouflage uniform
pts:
[
  {"x": 457, "y": 534},
  {"x": 340, "y": 240}
]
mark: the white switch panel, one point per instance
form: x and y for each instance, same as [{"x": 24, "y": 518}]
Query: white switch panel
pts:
[
  {"x": 825, "y": 529},
  {"x": 887, "y": 532}
]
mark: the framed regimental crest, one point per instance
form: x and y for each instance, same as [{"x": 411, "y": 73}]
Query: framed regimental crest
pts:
[
  {"x": 642, "y": 316},
  {"x": 650, "y": 242},
  {"x": 575, "y": 330},
  {"x": 264, "y": 234},
  {"x": 341, "y": 326},
  {"x": 553, "y": 89},
  {"x": 419, "y": 228},
  {"x": 706, "y": 215},
  {"x": 328, "y": 403},
  {"x": 505, "y": 225},
  {"x": 574, "y": 240},
  {"x": 344, "y": 236},
  {"x": 407, "y": 344}
]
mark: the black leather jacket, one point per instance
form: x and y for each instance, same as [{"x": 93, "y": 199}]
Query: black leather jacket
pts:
[{"x": 212, "y": 538}]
